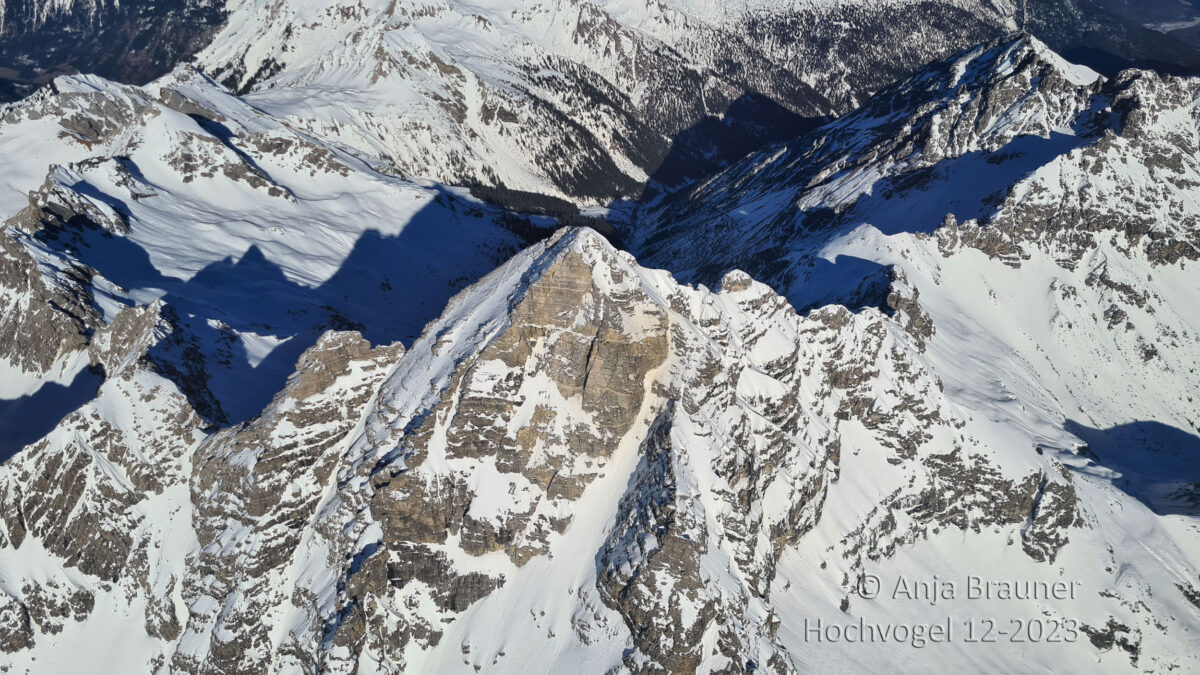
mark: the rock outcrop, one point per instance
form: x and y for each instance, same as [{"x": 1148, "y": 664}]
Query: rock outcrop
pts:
[{"x": 329, "y": 434}]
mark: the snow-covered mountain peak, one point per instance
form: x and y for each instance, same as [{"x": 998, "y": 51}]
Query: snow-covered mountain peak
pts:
[
  {"x": 488, "y": 94},
  {"x": 263, "y": 209},
  {"x": 284, "y": 410},
  {"x": 574, "y": 435},
  {"x": 1008, "y": 55},
  {"x": 984, "y": 121},
  {"x": 1077, "y": 74},
  {"x": 978, "y": 100}
]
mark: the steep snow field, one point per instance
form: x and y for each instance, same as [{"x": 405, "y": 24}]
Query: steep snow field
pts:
[
  {"x": 256, "y": 236},
  {"x": 303, "y": 413}
]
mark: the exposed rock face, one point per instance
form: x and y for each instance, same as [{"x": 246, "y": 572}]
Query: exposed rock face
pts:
[
  {"x": 16, "y": 629},
  {"x": 255, "y": 489},
  {"x": 88, "y": 510},
  {"x": 583, "y": 460},
  {"x": 912, "y": 190},
  {"x": 45, "y": 317},
  {"x": 545, "y": 404},
  {"x": 96, "y": 492},
  {"x": 354, "y": 512}
]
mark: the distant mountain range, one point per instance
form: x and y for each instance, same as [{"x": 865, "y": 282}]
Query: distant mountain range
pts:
[
  {"x": 485, "y": 95},
  {"x": 623, "y": 337}
]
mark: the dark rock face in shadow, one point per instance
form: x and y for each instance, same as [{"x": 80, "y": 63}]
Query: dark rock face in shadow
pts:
[
  {"x": 1109, "y": 36},
  {"x": 131, "y": 42},
  {"x": 750, "y": 123}
]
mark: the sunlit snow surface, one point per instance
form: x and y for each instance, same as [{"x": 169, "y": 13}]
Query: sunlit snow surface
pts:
[{"x": 260, "y": 236}]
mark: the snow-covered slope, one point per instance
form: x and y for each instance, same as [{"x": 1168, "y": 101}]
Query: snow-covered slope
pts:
[
  {"x": 591, "y": 99},
  {"x": 257, "y": 238},
  {"x": 566, "y": 98},
  {"x": 282, "y": 446},
  {"x": 617, "y": 470},
  {"x": 1034, "y": 226},
  {"x": 587, "y": 100},
  {"x": 575, "y": 98}
]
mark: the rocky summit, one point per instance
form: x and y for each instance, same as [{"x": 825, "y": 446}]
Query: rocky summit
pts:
[{"x": 602, "y": 337}]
